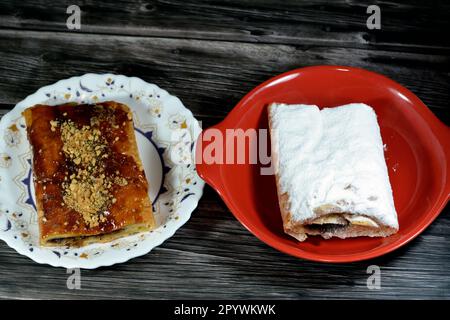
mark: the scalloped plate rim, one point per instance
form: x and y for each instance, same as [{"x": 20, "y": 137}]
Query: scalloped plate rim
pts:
[{"x": 140, "y": 250}]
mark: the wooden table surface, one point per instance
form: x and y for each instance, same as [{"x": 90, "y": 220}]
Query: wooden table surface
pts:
[{"x": 209, "y": 54}]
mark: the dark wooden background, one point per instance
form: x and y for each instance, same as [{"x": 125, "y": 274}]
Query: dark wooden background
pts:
[{"x": 209, "y": 54}]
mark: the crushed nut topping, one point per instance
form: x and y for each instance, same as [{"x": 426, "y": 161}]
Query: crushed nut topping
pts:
[
  {"x": 121, "y": 181},
  {"x": 53, "y": 125},
  {"x": 87, "y": 189}
]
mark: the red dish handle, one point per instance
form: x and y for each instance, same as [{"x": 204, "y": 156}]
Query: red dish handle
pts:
[
  {"x": 444, "y": 137},
  {"x": 209, "y": 169}
]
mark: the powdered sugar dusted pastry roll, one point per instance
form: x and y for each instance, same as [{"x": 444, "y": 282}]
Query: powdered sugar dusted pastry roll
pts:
[{"x": 331, "y": 174}]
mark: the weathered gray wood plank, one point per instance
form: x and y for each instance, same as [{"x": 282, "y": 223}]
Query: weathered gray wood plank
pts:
[
  {"x": 209, "y": 76},
  {"x": 412, "y": 25},
  {"x": 213, "y": 256}
]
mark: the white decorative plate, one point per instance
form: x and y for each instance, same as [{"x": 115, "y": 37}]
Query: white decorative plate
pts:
[{"x": 165, "y": 132}]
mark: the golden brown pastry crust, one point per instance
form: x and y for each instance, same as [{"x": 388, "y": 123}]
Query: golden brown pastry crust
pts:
[{"x": 128, "y": 208}]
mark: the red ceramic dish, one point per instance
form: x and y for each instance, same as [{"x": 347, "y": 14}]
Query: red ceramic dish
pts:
[{"x": 417, "y": 155}]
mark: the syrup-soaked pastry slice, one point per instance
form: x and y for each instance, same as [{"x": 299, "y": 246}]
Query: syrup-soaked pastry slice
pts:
[
  {"x": 330, "y": 170},
  {"x": 89, "y": 180}
]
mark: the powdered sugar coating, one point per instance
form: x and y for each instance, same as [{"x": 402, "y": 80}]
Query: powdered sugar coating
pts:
[{"x": 332, "y": 157}]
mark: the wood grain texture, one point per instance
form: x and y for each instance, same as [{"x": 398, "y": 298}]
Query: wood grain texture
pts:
[
  {"x": 213, "y": 256},
  {"x": 210, "y": 77},
  {"x": 411, "y": 25},
  {"x": 209, "y": 54}
]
